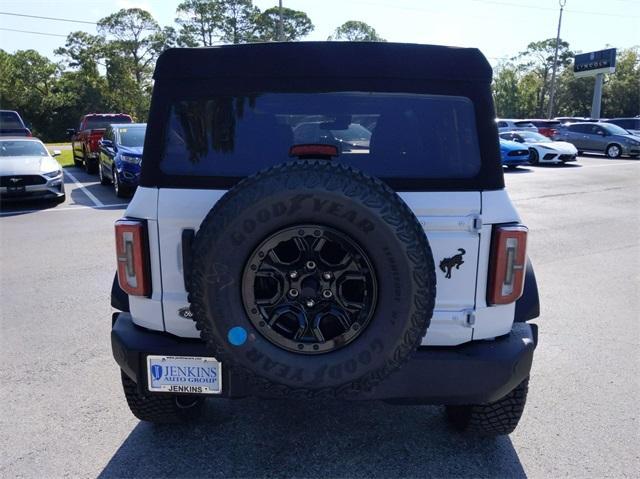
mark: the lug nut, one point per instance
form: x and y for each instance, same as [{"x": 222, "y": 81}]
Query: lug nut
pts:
[
  {"x": 293, "y": 274},
  {"x": 326, "y": 276},
  {"x": 310, "y": 303},
  {"x": 311, "y": 265},
  {"x": 293, "y": 293},
  {"x": 327, "y": 293}
]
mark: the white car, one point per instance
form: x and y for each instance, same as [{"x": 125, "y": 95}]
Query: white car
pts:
[
  {"x": 29, "y": 171},
  {"x": 543, "y": 149},
  {"x": 505, "y": 124}
]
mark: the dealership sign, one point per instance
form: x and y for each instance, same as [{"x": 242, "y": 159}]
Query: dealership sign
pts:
[{"x": 589, "y": 64}]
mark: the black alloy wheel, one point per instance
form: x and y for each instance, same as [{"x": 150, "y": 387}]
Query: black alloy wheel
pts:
[{"x": 309, "y": 289}]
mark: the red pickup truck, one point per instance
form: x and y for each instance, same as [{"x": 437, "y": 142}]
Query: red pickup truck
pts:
[{"x": 84, "y": 141}]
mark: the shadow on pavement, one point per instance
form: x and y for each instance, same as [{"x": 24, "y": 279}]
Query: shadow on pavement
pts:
[
  {"x": 23, "y": 207},
  {"x": 518, "y": 170},
  {"x": 253, "y": 438}
]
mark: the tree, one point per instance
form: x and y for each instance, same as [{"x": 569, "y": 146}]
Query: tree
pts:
[
  {"x": 238, "y": 20},
  {"x": 295, "y": 25},
  {"x": 199, "y": 21},
  {"x": 137, "y": 37},
  {"x": 621, "y": 92},
  {"x": 538, "y": 60},
  {"x": 355, "y": 31},
  {"x": 505, "y": 91}
]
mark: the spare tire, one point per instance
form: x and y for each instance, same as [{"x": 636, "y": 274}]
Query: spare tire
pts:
[{"x": 311, "y": 278}]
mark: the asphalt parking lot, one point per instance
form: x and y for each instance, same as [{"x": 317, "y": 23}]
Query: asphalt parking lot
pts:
[{"x": 64, "y": 414}]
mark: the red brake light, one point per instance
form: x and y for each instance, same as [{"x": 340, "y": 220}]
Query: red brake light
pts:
[
  {"x": 133, "y": 257},
  {"x": 312, "y": 150},
  {"x": 508, "y": 261}
]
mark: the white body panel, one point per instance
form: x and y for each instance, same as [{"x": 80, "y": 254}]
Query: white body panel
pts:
[
  {"x": 147, "y": 312},
  {"x": 451, "y": 220}
]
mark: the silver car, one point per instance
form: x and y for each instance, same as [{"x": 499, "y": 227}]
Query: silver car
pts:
[
  {"x": 28, "y": 171},
  {"x": 508, "y": 124},
  {"x": 605, "y": 138}
]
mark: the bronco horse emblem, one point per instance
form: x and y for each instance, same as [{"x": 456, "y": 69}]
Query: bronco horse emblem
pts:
[{"x": 447, "y": 264}]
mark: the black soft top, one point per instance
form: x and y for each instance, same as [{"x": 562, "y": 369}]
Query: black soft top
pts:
[{"x": 326, "y": 59}]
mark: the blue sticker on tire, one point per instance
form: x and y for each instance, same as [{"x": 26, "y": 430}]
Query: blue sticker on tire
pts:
[{"x": 237, "y": 336}]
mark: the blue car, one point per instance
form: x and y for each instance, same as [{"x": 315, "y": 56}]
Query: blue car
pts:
[
  {"x": 121, "y": 157},
  {"x": 513, "y": 153}
]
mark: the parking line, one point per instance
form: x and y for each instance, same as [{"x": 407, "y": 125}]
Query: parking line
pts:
[
  {"x": 90, "y": 195},
  {"x": 61, "y": 208}
]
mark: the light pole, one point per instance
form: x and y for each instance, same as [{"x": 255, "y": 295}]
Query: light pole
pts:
[
  {"x": 552, "y": 91},
  {"x": 280, "y": 29}
]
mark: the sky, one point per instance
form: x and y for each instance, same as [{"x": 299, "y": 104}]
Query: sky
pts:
[{"x": 499, "y": 28}]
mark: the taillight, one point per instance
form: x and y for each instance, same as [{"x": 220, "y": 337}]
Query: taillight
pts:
[
  {"x": 507, "y": 267},
  {"x": 133, "y": 257}
]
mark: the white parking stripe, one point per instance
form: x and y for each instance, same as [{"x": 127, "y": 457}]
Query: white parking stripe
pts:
[
  {"x": 90, "y": 195},
  {"x": 60, "y": 208}
]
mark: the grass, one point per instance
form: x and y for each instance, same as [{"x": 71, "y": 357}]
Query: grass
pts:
[{"x": 65, "y": 158}]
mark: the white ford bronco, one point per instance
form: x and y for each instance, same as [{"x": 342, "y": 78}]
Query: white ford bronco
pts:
[{"x": 324, "y": 220}]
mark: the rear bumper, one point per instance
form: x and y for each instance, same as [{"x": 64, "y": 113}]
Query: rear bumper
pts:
[{"x": 472, "y": 373}]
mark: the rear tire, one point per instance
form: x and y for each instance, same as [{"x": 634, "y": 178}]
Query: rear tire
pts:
[
  {"x": 165, "y": 409},
  {"x": 534, "y": 159},
  {"x": 103, "y": 179},
  {"x": 492, "y": 419}
]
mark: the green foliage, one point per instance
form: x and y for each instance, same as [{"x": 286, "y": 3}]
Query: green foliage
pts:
[
  {"x": 295, "y": 25},
  {"x": 355, "y": 31},
  {"x": 521, "y": 87},
  {"x": 199, "y": 22},
  {"x": 237, "y": 20}
]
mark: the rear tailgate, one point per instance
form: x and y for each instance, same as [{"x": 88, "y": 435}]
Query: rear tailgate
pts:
[{"x": 451, "y": 221}]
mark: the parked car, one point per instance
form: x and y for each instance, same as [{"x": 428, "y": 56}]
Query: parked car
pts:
[
  {"x": 244, "y": 270},
  {"x": 541, "y": 148},
  {"x": 348, "y": 138},
  {"x": 510, "y": 125},
  {"x": 29, "y": 171},
  {"x": 575, "y": 119},
  {"x": 513, "y": 154},
  {"x": 632, "y": 125},
  {"x": 84, "y": 141},
  {"x": 121, "y": 157},
  {"x": 546, "y": 127},
  {"x": 11, "y": 124},
  {"x": 605, "y": 138}
]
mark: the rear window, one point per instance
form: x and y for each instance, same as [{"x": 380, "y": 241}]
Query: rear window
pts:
[
  {"x": 629, "y": 124},
  {"x": 10, "y": 119},
  {"x": 97, "y": 122},
  {"x": 524, "y": 124},
  {"x": 132, "y": 137},
  {"x": 388, "y": 135}
]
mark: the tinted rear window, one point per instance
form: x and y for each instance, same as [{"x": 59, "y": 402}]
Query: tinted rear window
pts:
[
  {"x": 524, "y": 124},
  {"x": 388, "y": 135},
  {"x": 132, "y": 136},
  {"x": 10, "y": 119},
  {"x": 97, "y": 122},
  {"x": 629, "y": 124}
]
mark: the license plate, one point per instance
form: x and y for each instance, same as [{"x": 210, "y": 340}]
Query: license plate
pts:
[
  {"x": 181, "y": 374},
  {"x": 14, "y": 190}
]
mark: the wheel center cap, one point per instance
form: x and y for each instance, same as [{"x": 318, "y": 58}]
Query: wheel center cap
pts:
[{"x": 310, "y": 287}]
